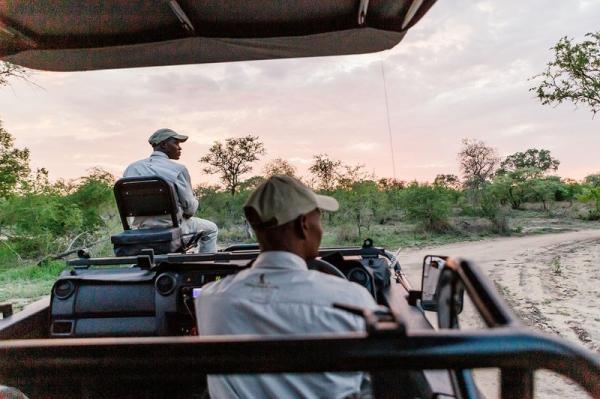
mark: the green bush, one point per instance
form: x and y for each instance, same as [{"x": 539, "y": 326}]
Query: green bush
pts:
[
  {"x": 362, "y": 205},
  {"x": 591, "y": 194},
  {"x": 44, "y": 221},
  {"x": 492, "y": 209},
  {"x": 428, "y": 205}
]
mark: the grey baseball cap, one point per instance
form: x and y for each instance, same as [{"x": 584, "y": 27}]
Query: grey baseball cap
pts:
[
  {"x": 281, "y": 199},
  {"x": 162, "y": 134}
]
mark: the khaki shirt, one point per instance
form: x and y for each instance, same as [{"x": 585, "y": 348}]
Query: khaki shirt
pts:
[
  {"x": 278, "y": 295},
  {"x": 159, "y": 164}
]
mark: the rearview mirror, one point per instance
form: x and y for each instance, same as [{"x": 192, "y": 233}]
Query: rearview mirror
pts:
[
  {"x": 441, "y": 290},
  {"x": 432, "y": 267}
]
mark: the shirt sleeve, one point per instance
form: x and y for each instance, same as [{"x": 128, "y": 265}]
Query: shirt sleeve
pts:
[
  {"x": 189, "y": 203},
  {"x": 127, "y": 171}
]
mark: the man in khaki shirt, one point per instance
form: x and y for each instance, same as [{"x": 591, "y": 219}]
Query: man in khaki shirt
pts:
[
  {"x": 166, "y": 145},
  {"x": 278, "y": 295}
]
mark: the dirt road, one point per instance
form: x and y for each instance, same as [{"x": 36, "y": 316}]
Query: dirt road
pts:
[{"x": 551, "y": 281}]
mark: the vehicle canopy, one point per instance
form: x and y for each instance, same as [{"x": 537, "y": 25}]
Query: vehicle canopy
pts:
[{"x": 61, "y": 35}]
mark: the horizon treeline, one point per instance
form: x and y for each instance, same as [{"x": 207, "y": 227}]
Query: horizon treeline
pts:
[{"x": 42, "y": 220}]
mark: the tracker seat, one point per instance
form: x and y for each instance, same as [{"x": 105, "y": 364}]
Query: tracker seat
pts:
[{"x": 147, "y": 196}]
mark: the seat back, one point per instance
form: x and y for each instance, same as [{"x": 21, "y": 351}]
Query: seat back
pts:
[{"x": 145, "y": 196}]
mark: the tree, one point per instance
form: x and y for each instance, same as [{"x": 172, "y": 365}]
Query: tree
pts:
[
  {"x": 544, "y": 189},
  {"x": 359, "y": 203},
  {"x": 279, "y": 166},
  {"x": 8, "y": 70},
  {"x": 537, "y": 161},
  {"x": 447, "y": 181},
  {"x": 478, "y": 163},
  {"x": 593, "y": 180},
  {"x": 37, "y": 183},
  {"x": 93, "y": 194},
  {"x": 592, "y": 194},
  {"x": 232, "y": 159},
  {"x": 389, "y": 183},
  {"x": 325, "y": 171},
  {"x": 510, "y": 187},
  {"x": 351, "y": 175},
  {"x": 428, "y": 205},
  {"x": 573, "y": 75},
  {"x": 492, "y": 209},
  {"x": 14, "y": 164}
]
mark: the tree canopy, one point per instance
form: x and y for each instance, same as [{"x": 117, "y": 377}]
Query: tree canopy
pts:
[
  {"x": 325, "y": 171},
  {"x": 535, "y": 159},
  {"x": 232, "y": 159},
  {"x": 279, "y": 166},
  {"x": 593, "y": 179},
  {"x": 478, "y": 162},
  {"x": 447, "y": 181},
  {"x": 573, "y": 75},
  {"x": 14, "y": 164}
]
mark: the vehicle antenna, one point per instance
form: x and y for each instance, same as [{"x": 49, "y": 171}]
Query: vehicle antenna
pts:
[{"x": 387, "y": 114}]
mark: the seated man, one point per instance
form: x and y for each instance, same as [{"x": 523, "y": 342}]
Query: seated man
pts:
[
  {"x": 166, "y": 147},
  {"x": 278, "y": 295}
]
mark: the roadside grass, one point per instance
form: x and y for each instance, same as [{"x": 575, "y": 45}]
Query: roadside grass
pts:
[
  {"x": 393, "y": 236},
  {"x": 24, "y": 283}
]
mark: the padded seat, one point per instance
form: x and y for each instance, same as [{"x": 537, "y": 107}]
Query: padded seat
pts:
[
  {"x": 146, "y": 196},
  {"x": 161, "y": 240}
]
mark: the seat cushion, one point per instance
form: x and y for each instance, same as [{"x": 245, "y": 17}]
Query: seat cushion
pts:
[
  {"x": 161, "y": 240},
  {"x": 143, "y": 236}
]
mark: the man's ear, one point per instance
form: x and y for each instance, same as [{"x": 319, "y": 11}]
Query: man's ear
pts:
[{"x": 302, "y": 226}]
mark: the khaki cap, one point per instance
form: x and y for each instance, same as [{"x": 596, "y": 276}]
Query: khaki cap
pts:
[
  {"x": 162, "y": 134},
  {"x": 281, "y": 199}
]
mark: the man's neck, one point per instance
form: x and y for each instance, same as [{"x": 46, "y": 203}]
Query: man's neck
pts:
[{"x": 160, "y": 153}]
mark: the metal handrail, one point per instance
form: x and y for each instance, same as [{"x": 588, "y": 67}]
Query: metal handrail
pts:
[
  {"x": 489, "y": 303},
  {"x": 193, "y": 258},
  {"x": 506, "y": 348}
]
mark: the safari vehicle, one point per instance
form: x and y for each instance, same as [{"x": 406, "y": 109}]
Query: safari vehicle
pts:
[{"x": 124, "y": 326}]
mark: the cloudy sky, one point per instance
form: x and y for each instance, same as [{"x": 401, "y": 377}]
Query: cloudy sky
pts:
[{"x": 461, "y": 72}]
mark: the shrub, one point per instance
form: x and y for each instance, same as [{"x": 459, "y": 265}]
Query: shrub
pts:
[
  {"x": 427, "y": 205},
  {"x": 592, "y": 194},
  {"x": 492, "y": 209}
]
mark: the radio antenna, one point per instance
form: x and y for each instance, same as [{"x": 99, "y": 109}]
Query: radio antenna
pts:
[{"x": 387, "y": 114}]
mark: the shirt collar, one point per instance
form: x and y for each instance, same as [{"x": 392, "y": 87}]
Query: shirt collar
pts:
[
  {"x": 279, "y": 260},
  {"x": 159, "y": 154}
]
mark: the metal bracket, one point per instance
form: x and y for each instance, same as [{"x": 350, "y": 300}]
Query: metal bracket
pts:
[
  {"x": 412, "y": 10},
  {"x": 145, "y": 260},
  {"x": 182, "y": 16},
  {"x": 6, "y": 309},
  {"x": 362, "y": 12}
]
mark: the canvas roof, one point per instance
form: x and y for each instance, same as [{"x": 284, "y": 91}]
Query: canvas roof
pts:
[{"x": 70, "y": 35}]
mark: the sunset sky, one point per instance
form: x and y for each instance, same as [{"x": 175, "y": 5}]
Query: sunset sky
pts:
[{"x": 463, "y": 71}]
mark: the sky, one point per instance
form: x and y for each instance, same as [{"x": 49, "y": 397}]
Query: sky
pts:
[{"x": 462, "y": 72}]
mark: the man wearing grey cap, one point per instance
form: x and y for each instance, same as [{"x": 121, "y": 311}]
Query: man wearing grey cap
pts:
[
  {"x": 166, "y": 145},
  {"x": 279, "y": 295}
]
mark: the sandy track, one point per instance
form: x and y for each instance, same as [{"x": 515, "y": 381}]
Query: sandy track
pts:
[{"x": 551, "y": 281}]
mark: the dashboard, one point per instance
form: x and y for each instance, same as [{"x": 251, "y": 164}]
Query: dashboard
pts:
[{"x": 134, "y": 301}]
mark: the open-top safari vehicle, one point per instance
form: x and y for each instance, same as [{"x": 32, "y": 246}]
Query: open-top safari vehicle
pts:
[{"x": 124, "y": 326}]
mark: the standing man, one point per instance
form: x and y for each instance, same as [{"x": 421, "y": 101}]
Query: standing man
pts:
[
  {"x": 279, "y": 295},
  {"x": 166, "y": 145}
]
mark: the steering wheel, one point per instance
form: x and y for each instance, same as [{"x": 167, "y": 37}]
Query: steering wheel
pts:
[{"x": 325, "y": 267}]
